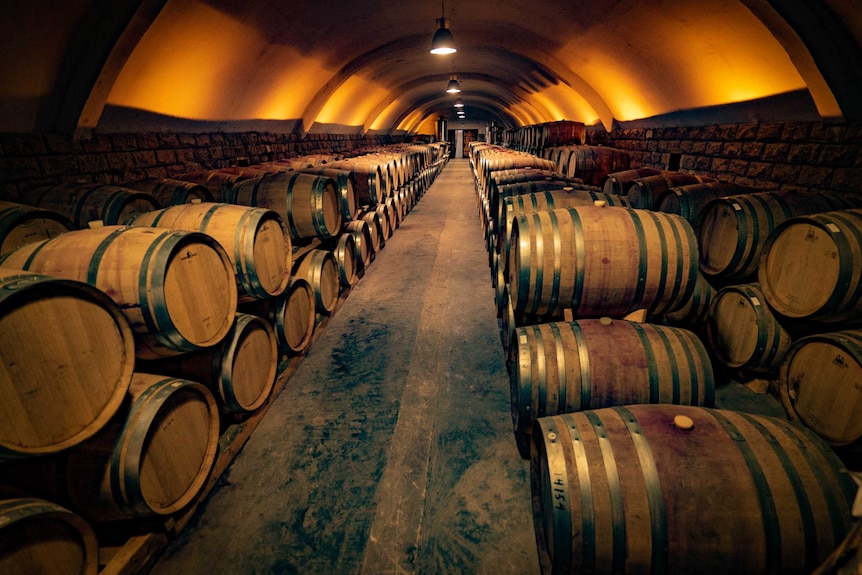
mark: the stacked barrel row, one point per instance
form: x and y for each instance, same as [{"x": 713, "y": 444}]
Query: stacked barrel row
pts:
[
  {"x": 773, "y": 286},
  {"x": 130, "y": 349},
  {"x": 536, "y": 137},
  {"x": 627, "y": 452}
]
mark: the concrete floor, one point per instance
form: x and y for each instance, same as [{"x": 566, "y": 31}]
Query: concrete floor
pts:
[{"x": 390, "y": 450}]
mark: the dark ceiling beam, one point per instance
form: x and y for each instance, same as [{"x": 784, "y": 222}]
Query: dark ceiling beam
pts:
[
  {"x": 100, "y": 46},
  {"x": 822, "y": 49}
]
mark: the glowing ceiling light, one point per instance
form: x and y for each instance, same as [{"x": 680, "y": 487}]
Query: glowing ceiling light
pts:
[{"x": 443, "y": 42}]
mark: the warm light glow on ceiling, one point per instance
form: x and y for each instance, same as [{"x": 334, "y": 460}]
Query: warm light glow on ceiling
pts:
[
  {"x": 670, "y": 60},
  {"x": 389, "y": 115},
  {"x": 563, "y": 103},
  {"x": 188, "y": 65},
  {"x": 411, "y": 121},
  {"x": 351, "y": 104}
]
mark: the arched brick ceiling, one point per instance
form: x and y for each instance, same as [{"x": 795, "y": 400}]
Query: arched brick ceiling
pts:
[{"x": 361, "y": 66}]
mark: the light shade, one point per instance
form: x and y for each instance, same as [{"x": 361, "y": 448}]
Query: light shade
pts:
[
  {"x": 454, "y": 87},
  {"x": 443, "y": 42},
  {"x": 459, "y": 103}
]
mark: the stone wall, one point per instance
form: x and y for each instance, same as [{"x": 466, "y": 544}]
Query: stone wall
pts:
[
  {"x": 31, "y": 160},
  {"x": 809, "y": 156}
]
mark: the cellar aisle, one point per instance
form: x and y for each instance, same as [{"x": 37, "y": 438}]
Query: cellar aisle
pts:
[{"x": 390, "y": 449}]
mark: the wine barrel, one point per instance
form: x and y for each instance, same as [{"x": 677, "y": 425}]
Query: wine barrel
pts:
[
  {"x": 536, "y": 186},
  {"x": 563, "y": 367},
  {"x": 154, "y": 460},
  {"x": 684, "y": 489},
  {"x": 593, "y": 163},
  {"x": 176, "y": 289},
  {"x": 362, "y": 236},
  {"x": 732, "y": 231},
  {"x": 255, "y": 240},
  {"x": 68, "y": 355},
  {"x": 618, "y": 183},
  {"x": 239, "y": 370},
  {"x": 85, "y": 203},
  {"x": 688, "y": 201},
  {"x": 375, "y": 228},
  {"x": 291, "y": 314},
  {"x": 40, "y": 537},
  {"x": 309, "y": 204},
  {"x": 169, "y": 192},
  {"x": 320, "y": 269},
  {"x": 811, "y": 267},
  {"x": 742, "y": 331},
  {"x": 644, "y": 192},
  {"x": 596, "y": 261},
  {"x": 368, "y": 177},
  {"x": 521, "y": 205},
  {"x": 345, "y": 181},
  {"x": 347, "y": 259},
  {"x": 821, "y": 384},
  {"x": 21, "y": 224},
  {"x": 221, "y": 183},
  {"x": 387, "y": 220},
  {"x": 394, "y": 214},
  {"x": 695, "y": 310}
]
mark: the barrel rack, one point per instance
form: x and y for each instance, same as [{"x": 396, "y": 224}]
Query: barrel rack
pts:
[{"x": 133, "y": 547}]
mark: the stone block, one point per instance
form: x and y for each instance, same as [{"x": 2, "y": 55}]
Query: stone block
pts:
[
  {"x": 746, "y": 131},
  {"x": 838, "y": 154},
  {"x": 776, "y": 152},
  {"x": 59, "y": 165},
  {"x": 124, "y": 142},
  {"x": 815, "y": 176},
  {"x": 802, "y": 153},
  {"x": 769, "y": 132},
  {"x": 166, "y": 157}
]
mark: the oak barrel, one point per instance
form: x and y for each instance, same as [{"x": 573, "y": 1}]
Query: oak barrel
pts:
[
  {"x": 564, "y": 197},
  {"x": 375, "y": 228},
  {"x": 694, "y": 311},
  {"x": 21, "y": 224},
  {"x": 309, "y": 204},
  {"x": 68, "y": 356},
  {"x": 169, "y": 192},
  {"x": 40, "y": 537},
  {"x": 600, "y": 261},
  {"x": 684, "y": 489},
  {"x": 239, "y": 370},
  {"x": 619, "y": 182},
  {"x": 255, "y": 240},
  {"x": 562, "y": 367},
  {"x": 85, "y": 203},
  {"x": 320, "y": 269},
  {"x": 644, "y": 192},
  {"x": 348, "y": 260},
  {"x": 689, "y": 200},
  {"x": 345, "y": 180},
  {"x": 742, "y": 331},
  {"x": 176, "y": 289},
  {"x": 152, "y": 460},
  {"x": 369, "y": 178},
  {"x": 821, "y": 384},
  {"x": 361, "y": 232},
  {"x": 823, "y": 247},
  {"x": 732, "y": 231},
  {"x": 292, "y": 315}
]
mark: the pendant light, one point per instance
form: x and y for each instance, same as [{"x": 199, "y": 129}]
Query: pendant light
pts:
[
  {"x": 459, "y": 103},
  {"x": 443, "y": 42},
  {"x": 454, "y": 87}
]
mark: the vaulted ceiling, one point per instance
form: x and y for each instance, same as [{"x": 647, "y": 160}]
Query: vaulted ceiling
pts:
[{"x": 364, "y": 65}]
